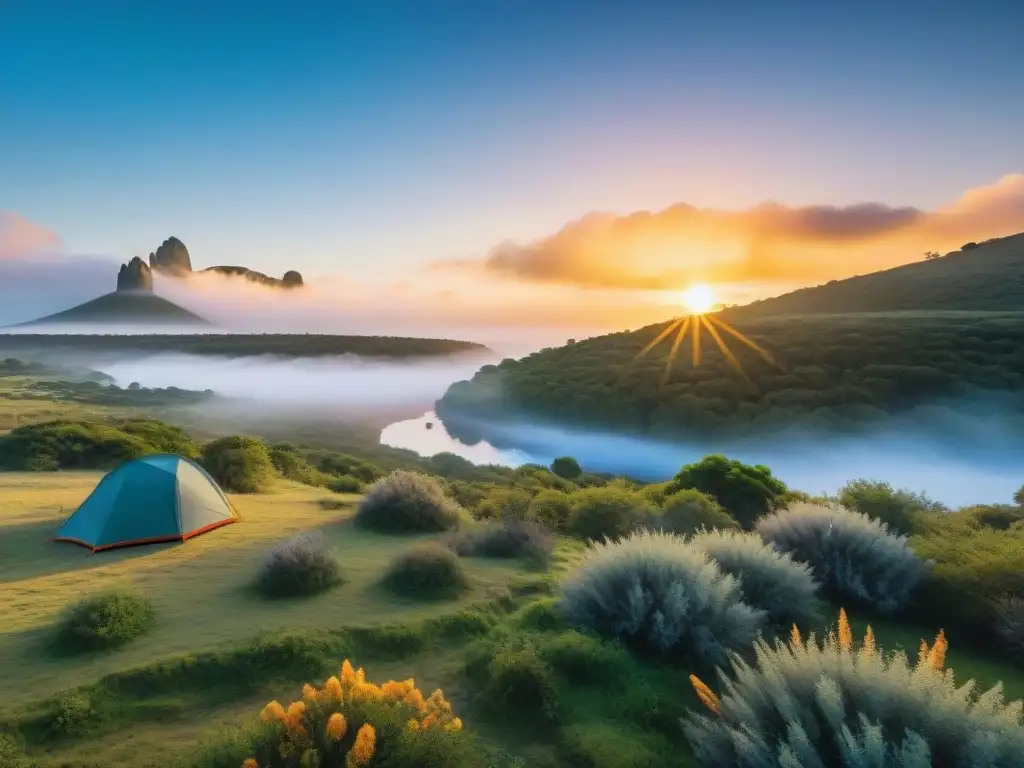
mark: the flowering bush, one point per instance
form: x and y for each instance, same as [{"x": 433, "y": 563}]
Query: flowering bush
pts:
[
  {"x": 770, "y": 580},
  {"x": 657, "y": 592},
  {"x": 407, "y": 502},
  {"x": 853, "y": 556},
  {"x": 353, "y": 723},
  {"x": 301, "y": 565},
  {"x": 830, "y": 704}
]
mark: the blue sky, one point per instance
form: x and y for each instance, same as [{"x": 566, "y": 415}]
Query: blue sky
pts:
[{"x": 360, "y": 137}]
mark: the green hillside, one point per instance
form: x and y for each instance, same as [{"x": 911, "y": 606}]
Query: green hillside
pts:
[
  {"x": 987, "y": 277},
  {"x": 123, "y": 307},
  {"x": 920, "y": 341}
]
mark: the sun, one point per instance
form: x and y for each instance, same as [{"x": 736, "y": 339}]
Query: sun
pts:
[{"x": 699, "y": 299}]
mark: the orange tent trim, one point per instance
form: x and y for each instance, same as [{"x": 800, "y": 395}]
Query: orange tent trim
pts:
[{"x": 153, "y": 540}]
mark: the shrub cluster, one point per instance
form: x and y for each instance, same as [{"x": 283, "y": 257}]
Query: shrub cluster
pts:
[
  {"x": 239, "y": 464},
  {"x": 831, "y": 703},
  {"x": 353, "y": 723},
  {"x": 104, "y": 621},
  {"x": 407, "y": 502},
  {"x": 689, "y": 511},
  {"x": 551, "y": 509},
  {"x": 769, "y": 580},
  {"x": 55, "y": 445},
  {"x": 852, "y": 556},
  {"x": 607, "y": 512},
  {"x": 747, "y": 492},
  {"x": 506, "y": 538},
  {"x": 658, "y": 593},
  {"x": 301, "y": 565},
  {"x": 427, "y": 571},
  {"x": 902, "y": 510}
]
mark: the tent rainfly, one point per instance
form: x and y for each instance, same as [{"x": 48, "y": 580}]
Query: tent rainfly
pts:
[{"x": 153, "y": 499}]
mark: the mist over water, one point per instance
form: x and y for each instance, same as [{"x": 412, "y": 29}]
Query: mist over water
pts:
[{"x": 815, "y": 465}]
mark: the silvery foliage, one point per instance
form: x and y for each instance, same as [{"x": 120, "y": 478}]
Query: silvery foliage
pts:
[
  {"x": 852, "y": 556},
  {"x": 770, "y": 580},
  {"x": 657, "y": 592},
  {"x": 816, "y": 706}
]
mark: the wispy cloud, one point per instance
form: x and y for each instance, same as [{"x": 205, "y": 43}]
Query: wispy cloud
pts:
[{"x": 668, "y": 248}]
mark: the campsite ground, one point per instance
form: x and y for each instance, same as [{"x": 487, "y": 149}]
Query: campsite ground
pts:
[{"x": 201, "y": 593}]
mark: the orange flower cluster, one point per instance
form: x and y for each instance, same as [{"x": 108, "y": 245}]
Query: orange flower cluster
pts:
[{"x": 318, "y": 713}]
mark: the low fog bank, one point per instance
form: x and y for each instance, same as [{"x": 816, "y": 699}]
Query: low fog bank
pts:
[
  {"x": 953, "y": 472},
  {"x": 300, "y": 385}
]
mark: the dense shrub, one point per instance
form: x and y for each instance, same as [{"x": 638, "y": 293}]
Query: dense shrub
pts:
[
  {"x": 466, "y": 495},
  {"x": 351, "y": 722},
  {"x": 345, "y": 484},
  {"x": 239, "y": 464},
  {"x": 582, "y": 659},
  {"x": 513, "y": 680},
  {"x": 999, "y": 517},
  {"x": 566, "y": 467},
  {"x": 658, "y": 593},
  {"x": 407, "y": 502},
  {"x": 427, "y": 571},
  {"x": 301, "y": 565},
  {"x": 969, "y": 568},
  {"x": 830, "y": 704},
  {"x": 901, "y": 510},
  {"x": 504, "y": 504},
  {"x": 552, "y": 509},
  {"x": 852, "y": 556},
  {"x": 11, "y": 753},
  {"x": 57, "y": 445},
  {"x": 506, "y": 538},
  {"x": 606, "y": 512},
  {"x": 1018, "y": 497},
  {"x": 769, "y": 580},
  {"x": 71, "y": 714},
  {"x": 290, "y": 464},
  {"x": 747, "y": 492},
  {"x": 107, "y": 620},
  {"x": 1009, "y": 612},
  {"x": 690, "y": 510}
]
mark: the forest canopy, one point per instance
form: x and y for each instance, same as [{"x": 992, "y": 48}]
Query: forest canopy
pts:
[{"x": 838, "y": 373}]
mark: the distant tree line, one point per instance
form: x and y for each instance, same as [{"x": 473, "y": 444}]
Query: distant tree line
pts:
[{"x": 237, "y": 345}]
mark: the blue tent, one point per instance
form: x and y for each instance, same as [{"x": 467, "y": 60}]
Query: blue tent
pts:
[{"x": 156, "y": 498}]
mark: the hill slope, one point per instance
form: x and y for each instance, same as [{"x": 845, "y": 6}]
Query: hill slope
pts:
[
  {"x": 988, "y": 277},
  {"x": 123, "y": 308}
]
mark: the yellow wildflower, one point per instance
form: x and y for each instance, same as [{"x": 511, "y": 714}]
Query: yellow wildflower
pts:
[
  {"x": 250, "y": 762},
  {"x": 413, "y": 724},
  {"x": 332, "y": 688},
  {"x": 869, "y": 641},
  {"x": 429, "y": 721},
  {"x": 363, "y": 749},
  {"x": 273, "y": 711},
  {"x": 845, "y": 633},
  {"x": 336, "y": 727},
  {"x": 455, "y": 724},
  {"x": 309, "y": 692},
  {"x": 922, "y": 653},
  {"x": 296, "y": 710},
  {"x": 415, "y": 698},
  {"x": 794, "y": 637},
  {"x": 348, "y": 675},
  {"x": 937, "y": 655},
  {"x": 706, "y": 695}
]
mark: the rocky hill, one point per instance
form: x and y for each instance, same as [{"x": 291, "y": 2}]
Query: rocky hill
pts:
[{"x": 172, "y": 258}]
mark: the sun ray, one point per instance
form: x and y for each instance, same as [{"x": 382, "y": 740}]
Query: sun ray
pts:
[
  {"x": 661, "y": 336},
  {"x": 748, "y": 341},
  {"x": 696, "y": 340},
  {"x": 675, "y": 349},
  {"x": 726, "y": 351}
]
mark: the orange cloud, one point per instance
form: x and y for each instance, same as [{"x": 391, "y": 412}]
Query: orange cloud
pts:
[{"x": 770, "y": 242}]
